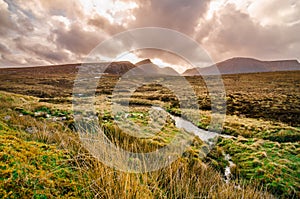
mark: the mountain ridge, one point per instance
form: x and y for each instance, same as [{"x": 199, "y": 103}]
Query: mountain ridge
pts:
[
  {"x": 149, "y": 68},
  {"x": 238, "y": 65},
  {"x": 235, "y": 65}
]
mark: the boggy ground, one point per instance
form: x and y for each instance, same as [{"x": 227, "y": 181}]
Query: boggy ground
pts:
[
  {"x": 271, "y": 96},
  {"x": 263, "y": 112},
  {"x": 41, "y": 156}
]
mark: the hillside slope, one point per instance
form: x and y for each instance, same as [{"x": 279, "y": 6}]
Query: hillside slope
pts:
[{"x": 245, "y": 65}]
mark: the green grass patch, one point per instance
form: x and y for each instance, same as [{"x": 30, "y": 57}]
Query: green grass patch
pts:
[{"x": 275, "y": 165}]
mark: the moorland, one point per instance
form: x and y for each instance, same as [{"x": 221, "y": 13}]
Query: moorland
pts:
[{"x": 41, "y": 155}]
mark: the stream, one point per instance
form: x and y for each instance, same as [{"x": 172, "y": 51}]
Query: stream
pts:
[
  {"x": 204, "y": 135},
  {"x": 227, "y": 172}
]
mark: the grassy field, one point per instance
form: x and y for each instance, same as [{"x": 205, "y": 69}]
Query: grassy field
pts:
[
  {"x": 36, "y": 121},
  {"x": 41, "y": 157}
]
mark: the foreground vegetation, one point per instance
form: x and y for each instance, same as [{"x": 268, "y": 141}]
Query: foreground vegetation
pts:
[
  {"x": 262, "y": 116},
  {"x": 41, "y": 157}
]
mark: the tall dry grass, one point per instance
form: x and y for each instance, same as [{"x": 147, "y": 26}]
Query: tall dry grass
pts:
[{"x": 186, "y": 177}]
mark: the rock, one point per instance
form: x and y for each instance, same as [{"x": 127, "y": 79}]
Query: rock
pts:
[
  {"x": 40, "y": 114},
  {"x": 31, "y": 130},
  {"x": 7, "y": 117}
]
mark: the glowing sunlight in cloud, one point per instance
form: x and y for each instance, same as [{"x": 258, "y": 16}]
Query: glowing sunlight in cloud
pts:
[
  {"x": 214, "y": 6},
  {"x": 128, "y": 56},
  {"x": 115, "y": 11},
  {"x": 160, "y": 62}
]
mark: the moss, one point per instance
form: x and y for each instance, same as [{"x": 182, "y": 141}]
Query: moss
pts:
[
  {"x": 274, "y": 165},
  {"x": 216, "y": 158},
  {"x": 38, "y": 170}
]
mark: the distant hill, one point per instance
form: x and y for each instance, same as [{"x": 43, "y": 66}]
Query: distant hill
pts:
[
  {"x": 143, "y": 62},
  {"x": 143, "y": 68},
  {"x": 119, "y": 68},
  {"x": 114, "y": 68},
  {"x": 148, "y": 68},
  {"x": 50, "y": 69},
  {"x": 245, "y": 65}
]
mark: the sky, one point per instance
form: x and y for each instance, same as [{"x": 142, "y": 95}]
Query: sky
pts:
[{"x": 43, "y": 32}]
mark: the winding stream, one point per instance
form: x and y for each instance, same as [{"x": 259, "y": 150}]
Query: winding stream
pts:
[{"x": 204, "y": 135}]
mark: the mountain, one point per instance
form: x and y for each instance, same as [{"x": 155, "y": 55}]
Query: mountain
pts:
[
  {"x": 142, "y": 68},
  {"x": 119, "y": 68},
  {"x": 245, "y": 65},
  {"x": 143, "y": 62},
  {"x": 148, "y": 68},
  {"x": 114, "y": 68}
]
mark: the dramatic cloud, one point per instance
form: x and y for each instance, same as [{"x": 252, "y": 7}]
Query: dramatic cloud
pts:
[
  {"x": 48, "y": 32},
  {"x": 235, "y": 33},
  {"x": 276, "y": 12},
  {"x": 178, "y": 15},
  {"x": 104, "y": 24},
  {"x": 76, "y": 39},
  {"x": 41, "y": 51},
  {"x": 6, "y": 22},
  {"x": 4, "y": 49}
]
